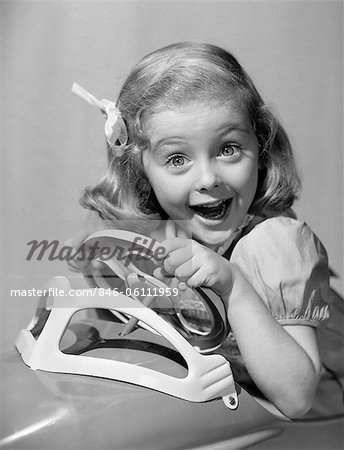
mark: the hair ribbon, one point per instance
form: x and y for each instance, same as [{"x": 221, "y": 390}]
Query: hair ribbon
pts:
[{"x": 115, "y": 128}]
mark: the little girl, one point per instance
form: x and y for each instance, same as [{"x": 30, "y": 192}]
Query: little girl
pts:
[{"x": 196, "y": 145}]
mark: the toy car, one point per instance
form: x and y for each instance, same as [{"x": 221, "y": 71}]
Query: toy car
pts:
[{"x": 112, "y": 372}]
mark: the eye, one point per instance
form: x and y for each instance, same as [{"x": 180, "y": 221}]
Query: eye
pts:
[
  {"x": 229, "y": 150},
  {"x": 176, "y": 160}
]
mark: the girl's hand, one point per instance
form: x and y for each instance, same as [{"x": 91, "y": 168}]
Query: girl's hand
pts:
[
  {"x": 81, "y": 260},
  {"x": 78, "y": 264},
  {"x": 196, "y": 265}
]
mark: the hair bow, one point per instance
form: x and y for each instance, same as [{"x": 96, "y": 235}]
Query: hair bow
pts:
[{"x": 115, "y": 128}]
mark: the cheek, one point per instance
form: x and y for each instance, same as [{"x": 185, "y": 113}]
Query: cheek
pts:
[
  {"x": 252, "y": 182},
  {"x": 247, "y": 181},
  {"x": 168, "y": 193},
  {"x": 253, "y": 177}
]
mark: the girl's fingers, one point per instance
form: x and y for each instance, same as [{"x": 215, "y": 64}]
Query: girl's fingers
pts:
[
  {"x": 81, "y": 254},
  {"x": 176, "y": 258},
  {"x": 77, "y": 264},
  {"x": 78, "y": 239},
  {"x": 199, "y": 278},
  {"x": 173, "y": 244},
  {"x": 184, "y": 271},
  {"x": 161, "y": 274}
]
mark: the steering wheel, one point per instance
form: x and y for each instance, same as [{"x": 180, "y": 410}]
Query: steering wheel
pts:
[{"x": 125, "y": 261}]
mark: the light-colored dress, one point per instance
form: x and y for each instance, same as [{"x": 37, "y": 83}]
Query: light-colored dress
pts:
[{"x": 287, "y": 265}]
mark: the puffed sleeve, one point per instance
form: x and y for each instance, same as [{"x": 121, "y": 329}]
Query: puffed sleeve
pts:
[{"x": 287, "y": 265}]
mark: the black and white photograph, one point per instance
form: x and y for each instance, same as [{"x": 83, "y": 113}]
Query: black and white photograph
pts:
[{"x": 171, "y": 225}]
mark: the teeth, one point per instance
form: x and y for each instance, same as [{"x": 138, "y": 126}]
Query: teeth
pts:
[
  {"x": 212, "y": 211},
  {"x": 209, "y": 205}
]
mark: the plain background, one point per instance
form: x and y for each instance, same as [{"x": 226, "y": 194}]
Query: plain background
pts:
[{"x": 53, "y": 143}]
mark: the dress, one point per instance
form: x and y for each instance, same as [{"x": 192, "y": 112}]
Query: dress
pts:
[{"x": 288, "y": 267}]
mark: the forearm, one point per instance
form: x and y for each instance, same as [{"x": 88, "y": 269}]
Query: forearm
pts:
[{"x": 279, "y": 366}]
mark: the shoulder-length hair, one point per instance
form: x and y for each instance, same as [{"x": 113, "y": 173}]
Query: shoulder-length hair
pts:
[{"x": 170, "y": 77}]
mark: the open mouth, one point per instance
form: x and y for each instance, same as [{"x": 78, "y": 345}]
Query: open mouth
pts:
[{"x": 213, "y": 211}]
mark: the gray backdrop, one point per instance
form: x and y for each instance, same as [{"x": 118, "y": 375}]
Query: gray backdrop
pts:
[{"x": 53, "y": 144}]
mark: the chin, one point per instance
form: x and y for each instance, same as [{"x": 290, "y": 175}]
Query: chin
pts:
[{"x": 213, "y": 239}]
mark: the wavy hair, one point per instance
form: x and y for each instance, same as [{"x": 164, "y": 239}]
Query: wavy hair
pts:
[{"x": 170, "y": 77}]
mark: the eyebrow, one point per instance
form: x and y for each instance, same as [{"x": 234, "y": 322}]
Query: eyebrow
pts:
[
  {"x": 169, "y": 141},
  {"x": 222, "y": 132},
  {"x": 233, "y": 127}
]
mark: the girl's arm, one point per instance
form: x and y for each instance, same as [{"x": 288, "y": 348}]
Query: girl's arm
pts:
[{"x": 283, "y": 361}]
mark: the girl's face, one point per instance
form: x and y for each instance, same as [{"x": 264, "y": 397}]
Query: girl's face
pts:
[{"x": 203, "y": 167}]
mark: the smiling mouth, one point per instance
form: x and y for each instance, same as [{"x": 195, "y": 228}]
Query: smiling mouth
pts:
[{"x": 213, "y": 211}]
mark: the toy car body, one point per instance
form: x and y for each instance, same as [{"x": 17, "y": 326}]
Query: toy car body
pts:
[{"x": 73, "y": 399}]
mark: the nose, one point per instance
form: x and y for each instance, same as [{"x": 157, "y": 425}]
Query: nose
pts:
[{"x": 207, "y": 177}]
